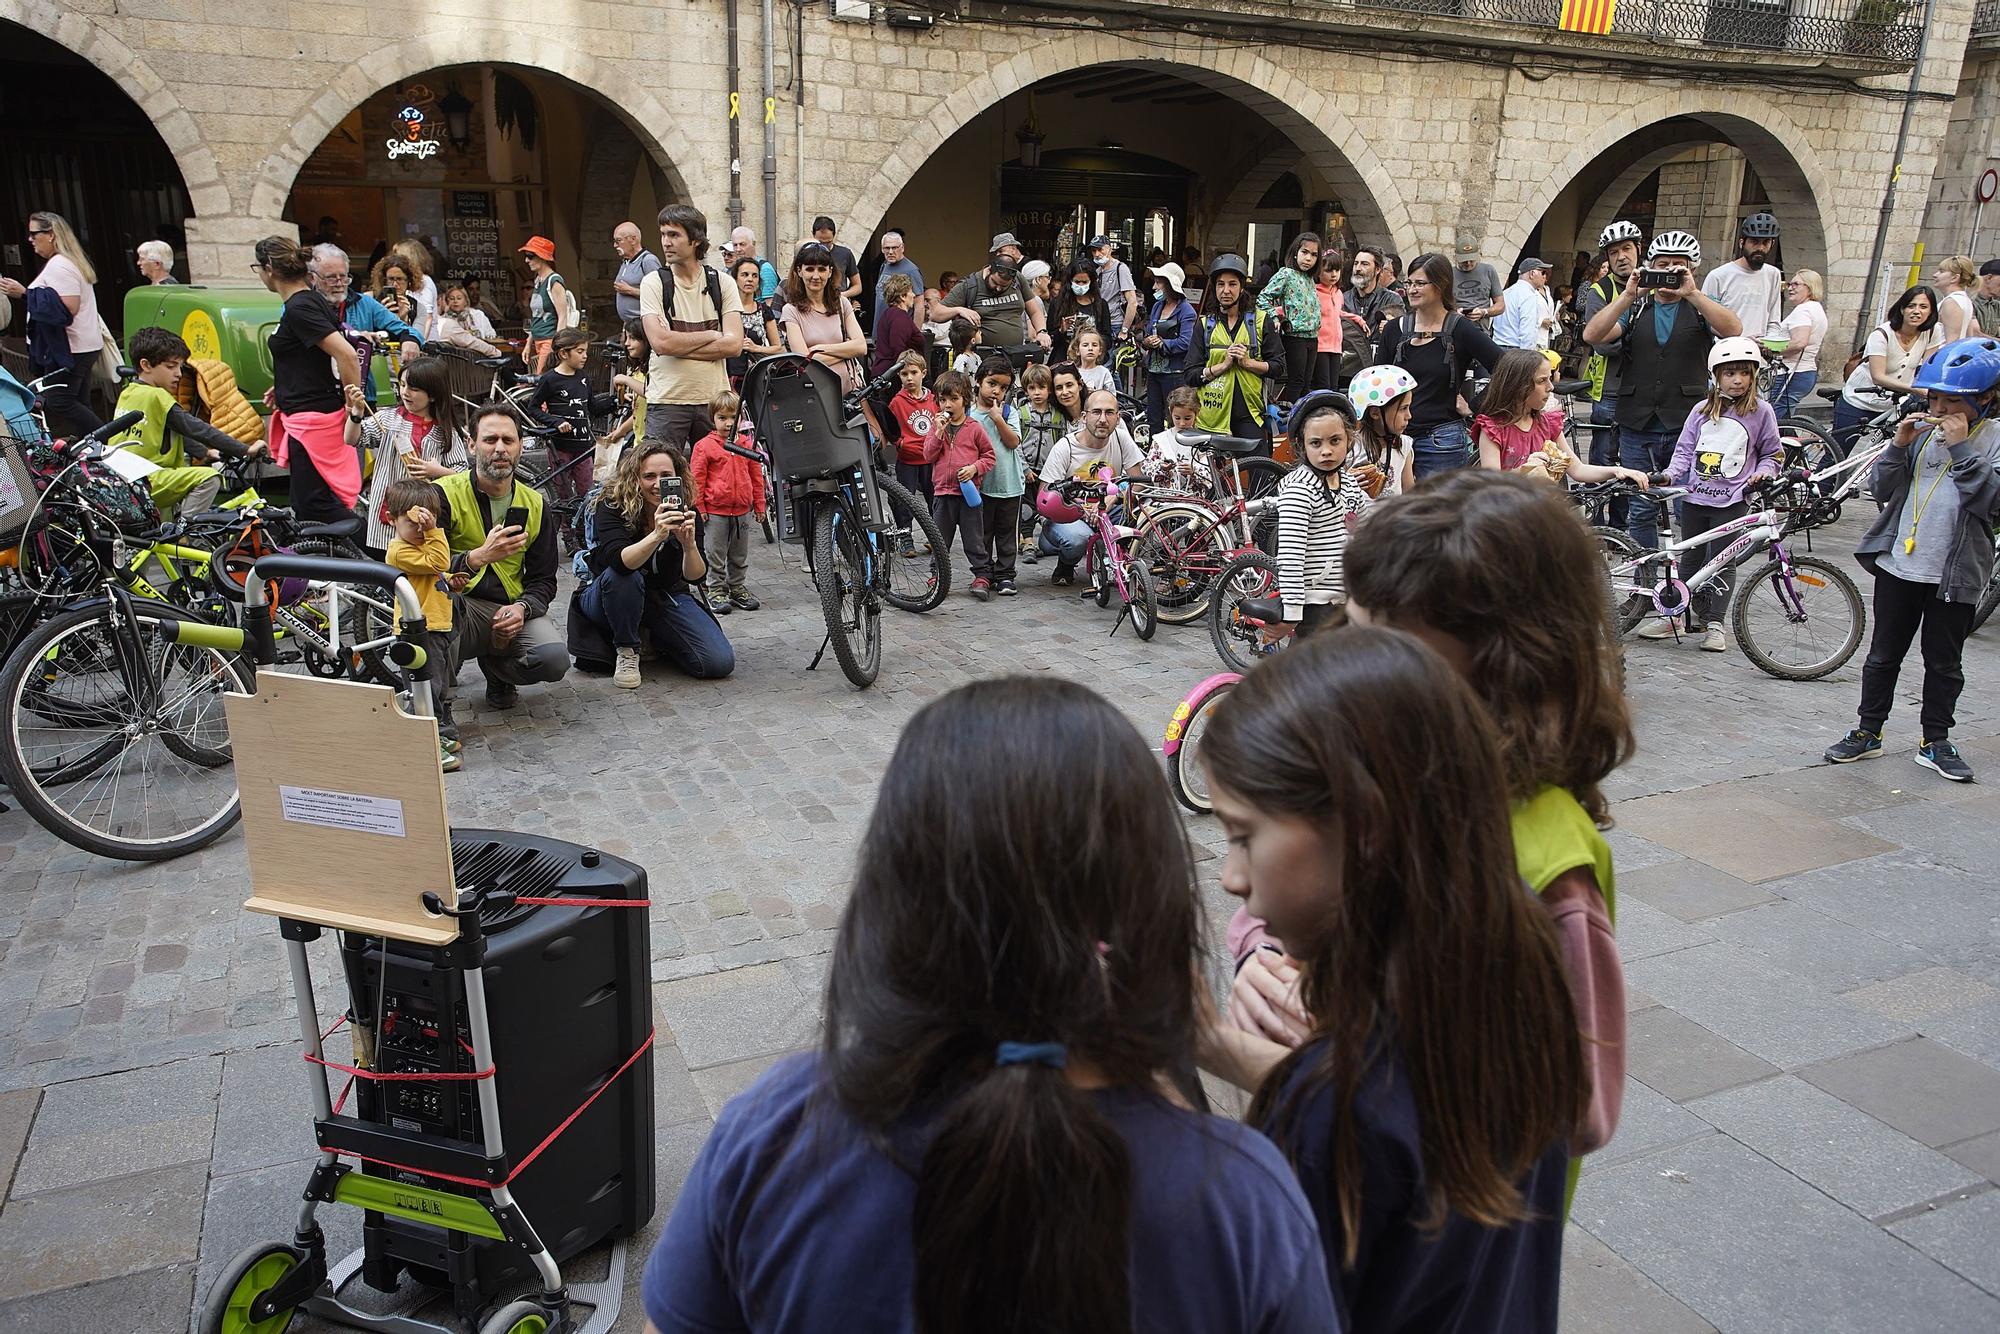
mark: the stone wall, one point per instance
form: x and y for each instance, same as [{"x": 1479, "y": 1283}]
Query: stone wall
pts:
[
  {"x": 1421, "y": 151},
  {"x": 1971, "y": 146}
]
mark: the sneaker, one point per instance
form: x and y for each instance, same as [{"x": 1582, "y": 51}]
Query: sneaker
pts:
[
  {"x": 718, "y": 602},
  {"x": 1661, "y": 628},
  {"x": 1715, "y": 641},
  {"x": 500, "y": 695},
  {"x": 1030, "y": 556},
  {"x": 1860, "y": 744},
  {"x": 1006, "y": 589},
  {"x": 626, "y": 675},
  {"x": 448, "y": 761},
  {"x": 1065, "y": 574},
  {"x": 450, "y": 745},
  {"x": 906, "y": 546},
  {"x": 982, "y": 590},
  {"x": 744, "y": 599},
  {"x": 1942, "y": 757}
]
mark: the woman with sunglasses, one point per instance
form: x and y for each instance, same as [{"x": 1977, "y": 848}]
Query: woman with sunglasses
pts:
[
  {"x": 1439, "y": 348},
  {"x": 65, "y": 335}
]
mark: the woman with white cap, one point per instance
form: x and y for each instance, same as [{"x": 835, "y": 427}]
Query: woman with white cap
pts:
[{"x": 1168, "y": 335}]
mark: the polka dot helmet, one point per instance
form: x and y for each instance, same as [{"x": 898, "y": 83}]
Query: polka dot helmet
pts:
[{"x": 1379, "y": 386}]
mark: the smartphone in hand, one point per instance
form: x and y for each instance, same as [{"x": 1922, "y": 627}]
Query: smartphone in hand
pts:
[
  {"x": 673, "y": 493},
  {"x": 517, "y": 517}
]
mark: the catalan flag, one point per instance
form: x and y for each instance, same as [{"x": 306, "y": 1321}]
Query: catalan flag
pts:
[{"x": 1587, "y": 15}]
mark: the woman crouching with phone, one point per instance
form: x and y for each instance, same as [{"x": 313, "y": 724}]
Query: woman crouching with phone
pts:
[{"x": 642, "y": 561}]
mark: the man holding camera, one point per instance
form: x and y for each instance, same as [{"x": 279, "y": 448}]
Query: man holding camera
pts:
[
  {"x": 503, "y": 567},
  {"x": 1665, "y": 325}
]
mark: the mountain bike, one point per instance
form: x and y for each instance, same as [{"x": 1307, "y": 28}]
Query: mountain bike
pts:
[
  {"x": 861, "y": 529},
  {"x": 1797, "y": 618}
]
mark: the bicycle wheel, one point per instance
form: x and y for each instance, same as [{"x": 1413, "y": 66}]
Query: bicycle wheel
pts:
[
  {"x": 115, "y": 742},
  {"x": 1144, "y": 609},
  {"x": 1185, "y": 774},
  {"x": 1185, "y": 549},
  {"x": 1801, "y": 627},
  {"x": 853, "y": 619},
  {"x": 1239, "y": 637},
  {"x": 367, "y": 617},
  {"x": 1628, "y": 607},
  {"x": 919, "y": 566},
  {"x": 1989, "y": 598},
  {"x": 1260, "y": 479},
  {"x": 1808, "y": 445}
]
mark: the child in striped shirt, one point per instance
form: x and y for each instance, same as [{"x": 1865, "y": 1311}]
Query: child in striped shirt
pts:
[{"x": 1318, "y": 506}]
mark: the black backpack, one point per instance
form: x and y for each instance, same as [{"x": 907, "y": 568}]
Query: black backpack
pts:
[
  {"x": 665, "y": 275},
  {"x": 1406, "y": 325}
]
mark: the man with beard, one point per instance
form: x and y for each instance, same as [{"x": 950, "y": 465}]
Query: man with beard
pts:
[
  {"x": 503, "y": 565},
  {"x": 1750, "y": 284}
]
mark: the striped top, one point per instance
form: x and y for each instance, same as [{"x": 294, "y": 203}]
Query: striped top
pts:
[{"x": 1313, "y": 526}]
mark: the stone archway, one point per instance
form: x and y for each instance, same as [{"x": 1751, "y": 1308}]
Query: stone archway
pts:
[
  {"x": 1323, "y": 132},
  {"x": 1801, "y": 190},
  {"x": 207, "y": 195},
  {"x": 608, "y": 81}
]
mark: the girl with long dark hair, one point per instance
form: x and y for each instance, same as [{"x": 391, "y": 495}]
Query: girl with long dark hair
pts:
[
  {"x": 986, "y": 1141},
  {"x": 1077, "y": 307},
  {"x": 421, "y": 437},
  {"x": 1289, "y": 296},
  {"x": 1429, "y": 1109}
]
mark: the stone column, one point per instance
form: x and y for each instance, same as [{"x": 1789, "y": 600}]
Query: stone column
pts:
[{"x": 219, "y": 246}]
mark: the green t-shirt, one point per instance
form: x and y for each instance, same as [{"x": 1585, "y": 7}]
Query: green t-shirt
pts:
[{"x": 1553, "y": 834}]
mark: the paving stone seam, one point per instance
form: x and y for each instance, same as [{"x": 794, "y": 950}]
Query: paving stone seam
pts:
[{"x": 1932, "y": 1205}]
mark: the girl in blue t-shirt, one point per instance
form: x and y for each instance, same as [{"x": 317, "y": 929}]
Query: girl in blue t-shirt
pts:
[
  {"x": 987, "y": 1139},
  {"x": 1429, "y": 1110}
]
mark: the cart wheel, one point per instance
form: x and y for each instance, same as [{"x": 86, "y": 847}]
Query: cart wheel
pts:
[
  {"x": 522, "y": 1317},
  {"x": 249, "y": 1276}
]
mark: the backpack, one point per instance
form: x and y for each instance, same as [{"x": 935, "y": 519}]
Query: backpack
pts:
[
  {"x": 667, "y": 293},
  {"x": 1208, "y": 324},
  {"x": 1406, "y": 325}
]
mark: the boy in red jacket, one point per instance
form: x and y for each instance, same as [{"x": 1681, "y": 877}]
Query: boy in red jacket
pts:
[
  {"x": 728, "y": 489},
  {"x": 913, "y": 409},
  {"x": 957, "y": 451}
]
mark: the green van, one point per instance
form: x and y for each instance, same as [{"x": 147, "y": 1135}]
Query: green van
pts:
[{"x": 228, "y": 324}]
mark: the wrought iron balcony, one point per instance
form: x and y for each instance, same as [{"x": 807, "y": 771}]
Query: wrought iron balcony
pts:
[
  {"x": 1875, "y": 30},
  {"x": 1986, "y": 23}
]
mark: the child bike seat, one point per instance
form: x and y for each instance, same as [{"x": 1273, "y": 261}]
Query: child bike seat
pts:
[{"x": 801, "y": 419}]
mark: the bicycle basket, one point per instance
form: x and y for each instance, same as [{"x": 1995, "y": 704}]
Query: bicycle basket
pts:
[{"x": 796, "y": 404}]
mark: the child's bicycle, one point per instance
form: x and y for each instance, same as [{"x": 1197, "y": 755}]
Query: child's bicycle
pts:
[
  {"x": 1189, "y": 534},
  {"x": 1798, "y": 618},
  {"x": 1182, "y": 747},
  {"x": 1111, "y": 560}
]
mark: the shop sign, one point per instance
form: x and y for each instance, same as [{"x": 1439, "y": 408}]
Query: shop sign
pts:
[{"x": 419, "y": 140}]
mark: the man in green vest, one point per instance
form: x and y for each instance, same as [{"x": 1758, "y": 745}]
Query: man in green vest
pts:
[{"x": 503, "y": 566}]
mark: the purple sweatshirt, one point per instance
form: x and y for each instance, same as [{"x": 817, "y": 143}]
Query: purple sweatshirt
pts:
[{"x": 1715, "y": 460}]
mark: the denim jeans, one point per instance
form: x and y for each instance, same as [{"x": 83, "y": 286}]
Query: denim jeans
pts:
[
  {"x": 1065, "y": 541},
  {"x": 683, "y": 631},
  {"x": 1645, "y": 451},
  {"x": 1792, "y": 392},
  {"x": 1848, "y": 421},
  {"x": 1604, "y": 447},
  {"x": 1442, "y": 448}
]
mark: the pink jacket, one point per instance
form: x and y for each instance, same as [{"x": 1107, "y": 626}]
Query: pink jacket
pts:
[{"x": 338, "y": 462}]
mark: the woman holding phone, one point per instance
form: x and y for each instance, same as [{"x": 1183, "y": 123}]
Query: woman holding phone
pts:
[{"x": 645, "y": 565}]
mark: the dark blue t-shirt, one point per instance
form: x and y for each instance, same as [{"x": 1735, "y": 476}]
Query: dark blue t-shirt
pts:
[
  {"x": 1465, "y": 1278},
  {"x": 793, "y": 1220}
]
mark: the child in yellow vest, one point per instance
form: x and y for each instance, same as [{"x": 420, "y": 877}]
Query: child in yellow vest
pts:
[
  {"x": 421, "y": 550},
  {"x": 179, "y": 442}
]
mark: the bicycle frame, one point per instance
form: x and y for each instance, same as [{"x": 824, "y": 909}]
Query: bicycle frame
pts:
[{"x": 1755, "y": 529}]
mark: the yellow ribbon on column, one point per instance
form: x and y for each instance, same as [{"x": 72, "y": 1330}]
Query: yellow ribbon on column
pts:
[
  {"x": 770, "y": 110},
  {"x": 735, "y": 105}
]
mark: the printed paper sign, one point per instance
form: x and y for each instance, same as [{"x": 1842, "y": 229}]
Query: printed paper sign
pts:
[{"x": 342, "y": 810}]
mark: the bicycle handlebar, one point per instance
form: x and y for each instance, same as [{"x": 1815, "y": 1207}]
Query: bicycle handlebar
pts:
[{"x": 754, "y": 455}]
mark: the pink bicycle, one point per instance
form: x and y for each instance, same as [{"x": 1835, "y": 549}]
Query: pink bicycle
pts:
[
  {"x": 1183, "y": 744},
  {"x": 1109, "y": 561}
]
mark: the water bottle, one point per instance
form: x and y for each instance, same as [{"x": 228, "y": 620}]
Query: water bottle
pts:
[{"x": 970, "y": 490}]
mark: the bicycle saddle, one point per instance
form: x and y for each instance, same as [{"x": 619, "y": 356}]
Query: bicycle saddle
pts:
[
  {"x": 1571, "y": 388},
  {"x": 1268, "y": 610},
  {"x": 1830, "y": 390},
  {"x": 1220, "y": 444},
  {"x": 347, "y": 527},
  {"x": 493, "y": 363}
]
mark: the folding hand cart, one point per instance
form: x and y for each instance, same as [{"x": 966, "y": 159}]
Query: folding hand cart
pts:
[{"x": 336, "y": 780}]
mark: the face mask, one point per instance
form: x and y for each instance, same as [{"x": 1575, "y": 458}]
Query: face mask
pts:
[
  {"x": 1081, "y": 289},
  {"x": 1160, "y": 292}
]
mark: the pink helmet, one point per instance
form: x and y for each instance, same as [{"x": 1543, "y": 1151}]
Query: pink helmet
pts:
[{"x": 1051, "y": 506}]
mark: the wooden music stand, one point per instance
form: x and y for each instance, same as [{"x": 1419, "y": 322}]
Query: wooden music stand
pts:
[{"x": 343, "y": 807}]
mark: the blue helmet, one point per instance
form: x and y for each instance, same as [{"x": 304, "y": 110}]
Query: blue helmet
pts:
[{"x": 1967, "y": 366}]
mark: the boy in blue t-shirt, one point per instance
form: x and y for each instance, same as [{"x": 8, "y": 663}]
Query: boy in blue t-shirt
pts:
[{"x": 1005, "y": 484}]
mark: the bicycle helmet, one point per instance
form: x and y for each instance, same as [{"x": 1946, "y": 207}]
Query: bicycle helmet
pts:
[
  {"x": 1051, "y": 506},
  {"x": 1760, "y": 227},
  {"x": 1621, "y": 230},
  {"x": 1675, "y": 242},
  {"x": 1968, "y": 367},
  {"x": 1379, "y": 386},
  {"x": 1319, "y": 400},
  {"x": 1229, "y": 264},
  {"x": 1730, "y": 350}
]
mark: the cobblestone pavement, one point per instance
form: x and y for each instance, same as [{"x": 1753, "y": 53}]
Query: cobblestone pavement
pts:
[{"x": 1811, "y": 1133}]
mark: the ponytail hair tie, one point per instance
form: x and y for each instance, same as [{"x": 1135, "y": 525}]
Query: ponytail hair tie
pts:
[{"x": 1052, "y": 1054}]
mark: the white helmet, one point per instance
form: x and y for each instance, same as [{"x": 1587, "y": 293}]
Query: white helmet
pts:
[
  {"x": 1379, "y": 386},
  {"x": 1675, "y": 243},
  {"x": 1727, "y": 350},
  {"x": 1621, "y": 230}
]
